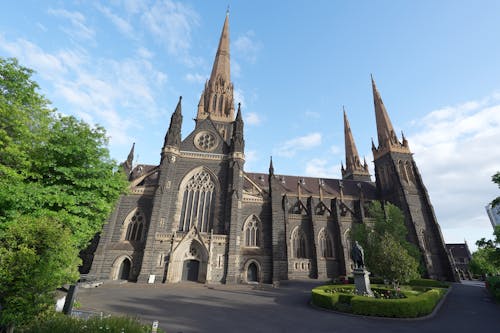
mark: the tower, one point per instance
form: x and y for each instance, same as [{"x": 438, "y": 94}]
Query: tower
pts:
[
  {"x": 353, "y": 170},
  {"x": 399, "y": 182}
]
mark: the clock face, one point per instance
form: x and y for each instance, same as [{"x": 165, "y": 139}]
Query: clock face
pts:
[{"x": 205, "y": 141}]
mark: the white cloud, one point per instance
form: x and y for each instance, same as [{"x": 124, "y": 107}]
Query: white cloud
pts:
[
  {"x": 456, "y": 150},
  {"x": 291, "y": 147},
  {"x": 335, "y": 149},
  {"x": 95, "y": 89},
  {"x": 195, "y": 78},
  {"x": 121, "y": 24},
  {"x": 312, "y": 114},
  {"x": 238, "y": 97},
  {"x": 171, "y": 22},
  {"x": 247, "y": 47},
  {"x": 317, "y": 167},
  {"x": 145, "y": 53},
  {"x": 78, "y": 29},
  {"x": 252, "y": 118}
]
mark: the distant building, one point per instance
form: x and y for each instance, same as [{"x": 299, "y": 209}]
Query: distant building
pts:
[
  {"x": 200, "y": 216},
  {"x": 460, "y": 259},
  {"x": 493, "y": 214}
]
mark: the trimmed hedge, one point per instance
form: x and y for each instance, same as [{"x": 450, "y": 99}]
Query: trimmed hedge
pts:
[
  {"x": 493, "y": 285},
  {"x": 411, "y": 306},
  {"x": 429, "y": 283}
]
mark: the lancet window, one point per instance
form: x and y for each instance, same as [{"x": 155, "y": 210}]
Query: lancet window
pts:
[
  {"x": 198, "y": 203},
  {"x": 299, "y": 244},
  {"x": 135, "y": 226},
  {"x": 325, "y": 244},
  {"x": 251, "y": 231}
]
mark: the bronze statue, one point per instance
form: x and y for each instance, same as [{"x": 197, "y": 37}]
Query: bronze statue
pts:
[{"x": 358, "y": 256}]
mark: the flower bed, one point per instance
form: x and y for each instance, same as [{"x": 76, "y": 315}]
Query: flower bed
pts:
[{"x": 405, "y": 303}]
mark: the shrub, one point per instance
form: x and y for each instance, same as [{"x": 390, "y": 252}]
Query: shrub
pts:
[
  {"x": 403, "y": 304},
  {"x": 413, "y": 306},
  {"x": 493, "y": 285},
  {"x": 429, "y": 283},
  {"x": 64, "y": 324}
]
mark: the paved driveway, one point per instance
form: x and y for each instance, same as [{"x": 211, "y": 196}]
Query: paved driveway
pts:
[{"x": 198, "y": 308}]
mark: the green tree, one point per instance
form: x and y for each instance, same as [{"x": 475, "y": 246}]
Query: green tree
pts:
[
  {"x": 387, "y": 252},
  {"x": 55, "y": 173},
  {"x": 37, "y": 255},
  {"x": 486, "y": 260},
  {"x": 394, "y": 263},
  {"x": 496, "y": 179}
]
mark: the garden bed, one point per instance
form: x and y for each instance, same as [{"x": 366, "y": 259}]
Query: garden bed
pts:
[{"x": 408, "y": 302}]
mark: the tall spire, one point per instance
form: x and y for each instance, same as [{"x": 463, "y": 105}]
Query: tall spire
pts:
[
  {"x": 173, "y": 136},
  {"x": 128, "y": 164},
  {"x": 238, "y": 143},
  {"x": 217, "y": 97},
  {"x": 354, "y": 169},
  {"x": 387, "y": 139}
]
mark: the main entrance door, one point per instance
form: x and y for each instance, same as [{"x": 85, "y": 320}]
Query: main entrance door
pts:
[{"x": 190, "y": 270}]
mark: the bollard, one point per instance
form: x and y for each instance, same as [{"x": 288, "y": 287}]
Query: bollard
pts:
[{"x": 154, "y": 327}]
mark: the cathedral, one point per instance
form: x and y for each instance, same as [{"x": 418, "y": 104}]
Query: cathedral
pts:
[{"x": 200, "y": 216}]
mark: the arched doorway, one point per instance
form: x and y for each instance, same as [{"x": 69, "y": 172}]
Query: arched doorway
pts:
[
  {"x": 190, "y": 270},
  {"x": 124, "y": 271},
  {"x": 252, "y": 273}
]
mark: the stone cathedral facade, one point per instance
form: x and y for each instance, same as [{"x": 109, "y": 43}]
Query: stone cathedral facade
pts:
[{"x": 199, "y": 216}]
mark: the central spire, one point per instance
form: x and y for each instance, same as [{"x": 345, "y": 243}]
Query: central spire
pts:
[{"x": 217, "y": 97}]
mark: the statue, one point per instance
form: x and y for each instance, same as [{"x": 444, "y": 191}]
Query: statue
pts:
[
  {"x": 361, "y": 275},
  {"x": 358, "y": 256}
]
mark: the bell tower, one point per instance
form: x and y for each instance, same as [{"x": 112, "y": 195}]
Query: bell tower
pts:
[{"x": 399, "y": 182}]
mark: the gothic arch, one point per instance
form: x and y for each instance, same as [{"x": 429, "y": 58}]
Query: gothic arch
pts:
[
  {"x": 402, "y": 170},
  {"x": 409, "y": 172},
  {"x": 325, "y": 244},
  {"x": 196, "y": 201},
  {"x": 247, "y": 271},
  {"x": 191, "y": 248},
  {"x": 117, "y": 270},
  {"x": 134, "y": 226},
  {"x": 299, "y": 244},
  {"x": 252, "y": 232}
]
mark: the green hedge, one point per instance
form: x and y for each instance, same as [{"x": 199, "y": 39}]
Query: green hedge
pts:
[
  {"x": 412, "y": 306},
  {"x": 493, "y": 285},
  {"x": 429, "y": 283}
]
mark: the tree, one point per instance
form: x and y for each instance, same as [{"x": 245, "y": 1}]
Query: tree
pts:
[
  {"x": 387, "y": 252},
  {"x": 37, "y": 255},
  {"x": 486, "y": 260},
  {"x": 56, "y": 174},
  {"x": 496, "y": 179},
  {"x": 394, "y": 263}
]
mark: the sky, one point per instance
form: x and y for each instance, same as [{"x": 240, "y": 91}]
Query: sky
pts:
[{"x": 294, "y": 65}]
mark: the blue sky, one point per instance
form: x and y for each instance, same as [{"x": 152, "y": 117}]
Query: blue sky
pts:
[{"x": 123, "y": 65}]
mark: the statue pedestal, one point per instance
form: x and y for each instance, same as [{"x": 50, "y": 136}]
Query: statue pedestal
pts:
[{"x": 362, "y": 282}]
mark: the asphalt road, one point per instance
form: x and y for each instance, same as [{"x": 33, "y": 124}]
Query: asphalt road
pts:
[{"x": 199, "y": 308}]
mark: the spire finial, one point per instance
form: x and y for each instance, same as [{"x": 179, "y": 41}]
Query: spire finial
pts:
[
  {"x": 271, "y": 167},
  {"x": 227, "y": 10}
]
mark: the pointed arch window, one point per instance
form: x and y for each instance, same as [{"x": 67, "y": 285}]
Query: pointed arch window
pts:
[
  {"x": 409, "y": 172},
  {"x": 135, "y": 226},
  {"x": 325, "y": 244},
  {"x": 402, "y": 170},
  {"x": 198, "y": 203},
  {"x": 299, "y": 244},
  {"x": 214, "y": 106},
  {"x": 251, "y": 231}
]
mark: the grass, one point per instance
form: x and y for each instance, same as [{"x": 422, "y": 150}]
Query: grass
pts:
[{"x": 66, "y": 324}]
